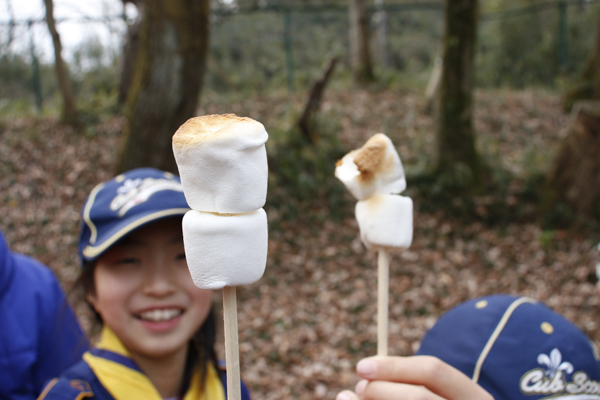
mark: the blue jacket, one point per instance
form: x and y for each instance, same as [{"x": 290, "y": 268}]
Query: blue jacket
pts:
[{"x": 39, "y": 334}]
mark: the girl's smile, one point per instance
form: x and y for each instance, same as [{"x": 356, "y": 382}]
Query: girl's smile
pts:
[
  {"x": 160, "y": 319},
  {"x": 159, "y": 315}
]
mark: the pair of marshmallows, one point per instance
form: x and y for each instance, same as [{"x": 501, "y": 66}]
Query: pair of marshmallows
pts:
[
  {"x": 374, "y": 175},
  {"x": 222, "y": 162}
]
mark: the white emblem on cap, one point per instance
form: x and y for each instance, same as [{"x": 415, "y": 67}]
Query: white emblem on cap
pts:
[
  {"x": 136, "y": 191},
  {"x": 552, "y": 380}
]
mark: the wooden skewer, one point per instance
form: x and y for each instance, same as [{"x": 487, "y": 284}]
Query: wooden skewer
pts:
[
  {"x": 232, "y": 350},
  {"x": 383, "y": 279}
]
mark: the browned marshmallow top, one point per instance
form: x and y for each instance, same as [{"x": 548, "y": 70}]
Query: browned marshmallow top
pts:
[
  {"x": 199, "y": 130},
  {"x": 371, "y": 159}
]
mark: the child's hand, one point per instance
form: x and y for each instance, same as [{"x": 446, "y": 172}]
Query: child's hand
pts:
[{"x": 418, "y": 377}]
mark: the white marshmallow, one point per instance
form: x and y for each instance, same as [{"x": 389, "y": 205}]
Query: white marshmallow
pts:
[
  {"x": 385, "y": 221},
  {"x": 222, "y": 163},
  {"x": 375, "y": 168},
  {"x": 224, "y": 249}
]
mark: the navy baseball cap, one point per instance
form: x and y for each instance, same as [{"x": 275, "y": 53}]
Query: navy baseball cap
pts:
[
  {"x": 130, "y": 200},
  {"x": 516, "y": 348}
]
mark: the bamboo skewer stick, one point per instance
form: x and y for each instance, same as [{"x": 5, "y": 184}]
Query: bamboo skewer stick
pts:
[
  {"x": 232, "y": 351},
  {"x": 383, "y": 285}
]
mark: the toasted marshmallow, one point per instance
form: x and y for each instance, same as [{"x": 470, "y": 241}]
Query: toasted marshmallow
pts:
[
  {"x": 222, "y": 163},
  {"x": 225, "y": 249},
  {"x": 385, "y": 221},
  {"x": 375, "y": 168}
]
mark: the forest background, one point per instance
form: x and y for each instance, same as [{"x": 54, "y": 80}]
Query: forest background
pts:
[{"x": 312, "y": 316}]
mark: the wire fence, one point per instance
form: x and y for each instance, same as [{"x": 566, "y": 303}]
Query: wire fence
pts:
[
  {"x": 282, "y": 46},
  {"x": 406, "y": 38}
]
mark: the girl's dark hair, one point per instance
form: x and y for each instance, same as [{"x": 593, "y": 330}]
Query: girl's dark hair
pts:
[
  {"x": 201, "y": 349},
  {"x": 201, "y": 352}
]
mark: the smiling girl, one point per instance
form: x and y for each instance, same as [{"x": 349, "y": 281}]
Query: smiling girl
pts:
[{"x": 158, "y": 329}]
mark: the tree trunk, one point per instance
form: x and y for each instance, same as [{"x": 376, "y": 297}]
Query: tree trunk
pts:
[
  {"x": 167, "y": 80},
  {"x": 456, "y": 153},
  {"x": 589, "y": 86},
  {"x": 130, "y": 52},
  {"x": 69, "y": 111},
  {"x": 313, "y": 103},
  {"x": 360, "y": 54},
  {"x": 574, "y": 176}
]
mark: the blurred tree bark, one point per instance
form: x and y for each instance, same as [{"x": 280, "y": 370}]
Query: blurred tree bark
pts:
[
  {"x": 360, "y": 52},
  {"x": 574, "y": 175},
  {"x": 69, "y": 111},
  {"x": 456, "y": 153},
  {"x": 130, "y": 52},
  {"x": 588, "y": 88},
  {"x": 167, "y": 80}
]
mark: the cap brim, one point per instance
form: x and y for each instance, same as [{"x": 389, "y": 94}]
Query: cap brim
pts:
[{"x": 124, "y": 227}]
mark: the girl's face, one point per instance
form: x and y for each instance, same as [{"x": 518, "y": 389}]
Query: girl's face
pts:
[{"x": 145, "y": 294}]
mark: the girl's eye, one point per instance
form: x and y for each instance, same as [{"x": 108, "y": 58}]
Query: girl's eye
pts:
[{"x": 128, "y": 260}]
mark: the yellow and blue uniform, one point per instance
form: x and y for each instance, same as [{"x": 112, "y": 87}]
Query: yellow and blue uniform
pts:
[{"x": 108, "y": 373}]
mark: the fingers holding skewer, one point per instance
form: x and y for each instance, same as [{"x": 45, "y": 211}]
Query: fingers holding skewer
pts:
[{"x": 405, "y": 378}]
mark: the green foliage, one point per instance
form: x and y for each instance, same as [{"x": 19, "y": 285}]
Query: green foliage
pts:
[
  {"x": 504, "y": 197},
  {"x": 248, "y": 52},
  {"x": 301, "y": 174},
  {"x": 15, "y": 74},
  {"x": 94, "y": 69},
  {"x": 546, "y": 238},
  {"x": 16, "y": 108},
  {"x": 414, "y": 40},
  {"x": 93, "y": 73},
  {"x": 16, "y": 80},
  {"x": 521, "y": 46},
  {"x": 525, "y": 50},
  {"x": 97, "y": 104}
]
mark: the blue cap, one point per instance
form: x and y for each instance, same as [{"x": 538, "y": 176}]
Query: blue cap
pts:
[
  {"x": 516, "y": 348},
  {"x": 116, "y": 207}
]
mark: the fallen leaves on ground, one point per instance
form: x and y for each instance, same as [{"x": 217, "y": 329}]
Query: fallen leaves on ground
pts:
[{"x": 312, "y": 316}]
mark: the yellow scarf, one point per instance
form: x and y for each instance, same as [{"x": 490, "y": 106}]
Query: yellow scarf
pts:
[{"x": 125, "y": 383}]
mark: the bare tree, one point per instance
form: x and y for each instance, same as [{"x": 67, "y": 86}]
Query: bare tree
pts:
[
  {"x": 360, "y": 52},
  {"x": 313, "y": 103},
  {"x": 167, "y": 80},
  {"x": 11, "y": 27},
  {"x": 456, "y": 153},
  {"x": 69, "y": 111}
]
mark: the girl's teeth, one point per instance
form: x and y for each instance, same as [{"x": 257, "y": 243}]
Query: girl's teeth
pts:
[{"x": 160, "y": 315}]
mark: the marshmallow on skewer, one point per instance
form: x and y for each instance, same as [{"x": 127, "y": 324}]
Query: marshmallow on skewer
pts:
[
  {"x": 374, "y": 175},
  {"x": 222, "y": 163},
  {"x": 375, "y": 168},
  {"x": 385, "y": 221},
  {"x": 225, "y": 249}
]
